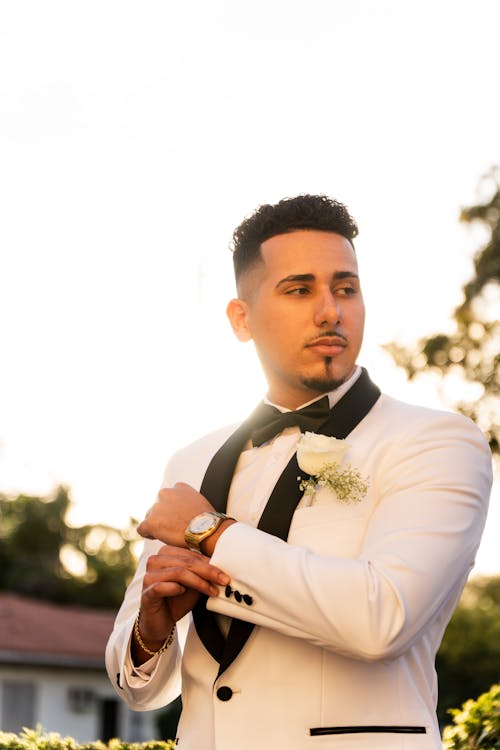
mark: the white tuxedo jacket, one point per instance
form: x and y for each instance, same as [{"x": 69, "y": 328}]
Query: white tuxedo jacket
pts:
[{"x": 349, "y": 612}]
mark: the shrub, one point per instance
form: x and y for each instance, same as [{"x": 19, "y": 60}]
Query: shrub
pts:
[
  {"x": 468, "y": 661},
  {"x": 35, "y": 739},
  {"x": 476, "y": 726}
]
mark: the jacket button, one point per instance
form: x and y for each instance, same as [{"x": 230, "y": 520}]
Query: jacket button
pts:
[
  {"x": 237, "y": 596},
  {"x": 224, "y": 693}
]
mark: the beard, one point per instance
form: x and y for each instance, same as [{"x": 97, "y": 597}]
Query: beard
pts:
[{"x": 326, "y": 382}]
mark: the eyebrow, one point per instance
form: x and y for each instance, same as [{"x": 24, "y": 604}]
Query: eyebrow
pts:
[{"x": 337, "y": 276}]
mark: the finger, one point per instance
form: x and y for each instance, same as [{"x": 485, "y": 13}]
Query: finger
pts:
[
  {"x": 165, "y": 582},
  {"x": 170, "y": 590},
  {"x": 174, "y": 589},
  {"x": 164, "y": 494},
  {"x": 184, "y": 576},
  {"x": 174, "y": 557}
]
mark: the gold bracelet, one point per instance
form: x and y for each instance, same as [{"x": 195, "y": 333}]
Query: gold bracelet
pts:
[{"x": 168, "y": 640}]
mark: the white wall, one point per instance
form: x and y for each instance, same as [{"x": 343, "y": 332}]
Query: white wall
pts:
[{"x": 53, "y": 711}]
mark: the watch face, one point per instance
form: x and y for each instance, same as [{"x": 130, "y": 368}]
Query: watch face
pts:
[{"x": 202, "y": 523}]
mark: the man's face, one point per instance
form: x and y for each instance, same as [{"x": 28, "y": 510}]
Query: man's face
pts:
[{"x": 303, "y": 308}]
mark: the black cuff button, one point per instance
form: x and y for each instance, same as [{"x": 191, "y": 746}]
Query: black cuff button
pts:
[{"x": 247, "y": 599}]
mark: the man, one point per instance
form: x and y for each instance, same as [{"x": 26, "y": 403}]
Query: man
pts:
[{"x": 316, "y": 615}]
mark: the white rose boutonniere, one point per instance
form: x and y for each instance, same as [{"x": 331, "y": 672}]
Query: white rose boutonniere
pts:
[{"x": 321, "y": 456}]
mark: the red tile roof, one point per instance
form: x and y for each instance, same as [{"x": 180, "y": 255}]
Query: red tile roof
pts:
[{"x": 33, "y": 631}]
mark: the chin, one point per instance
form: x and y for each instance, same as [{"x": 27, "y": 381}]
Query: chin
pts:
[
  {"x": 323, "y": 384},
  {"x": 325, "y": 381}
]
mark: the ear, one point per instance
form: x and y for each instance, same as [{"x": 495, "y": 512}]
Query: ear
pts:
[{"x": 237, "y": 312}]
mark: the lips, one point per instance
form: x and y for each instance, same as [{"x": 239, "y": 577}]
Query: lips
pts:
[{"x": 328, "y": 346}]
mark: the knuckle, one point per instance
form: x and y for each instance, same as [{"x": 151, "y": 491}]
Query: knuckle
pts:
[
  {"x": 176, "y": 570},
  {"x": 148, "y": 581},
  {"x": 153, "y": 563}
]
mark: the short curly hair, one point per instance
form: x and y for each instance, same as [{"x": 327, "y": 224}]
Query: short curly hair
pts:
[{"x": 301, "y": 212}]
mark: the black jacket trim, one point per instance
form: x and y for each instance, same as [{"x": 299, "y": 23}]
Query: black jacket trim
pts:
[{"x": 377, "y": 729}]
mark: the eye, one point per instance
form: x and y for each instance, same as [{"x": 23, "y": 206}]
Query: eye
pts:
[
  {"x": 298, "y": 291},
  {"x": 346, "y": 291}
]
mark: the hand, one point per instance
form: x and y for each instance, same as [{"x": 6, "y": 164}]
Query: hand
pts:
[
  {"x": 174, "y": 580},
  {"x": 174, "y": 508}
]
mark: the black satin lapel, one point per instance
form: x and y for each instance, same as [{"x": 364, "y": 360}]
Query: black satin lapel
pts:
[
  {"x": 219, "y": 474},
  {"x": 239, "y": 633},
  {"x": 352, "y": 407},
  {"x": 276, "y": 520},
  {"x": 277, "y": 515},
  {"x": 215, "y": 487},
  {"x": 208, "y": 631}
]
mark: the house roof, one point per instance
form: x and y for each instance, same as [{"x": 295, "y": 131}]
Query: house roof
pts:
[{"x": 38, "y": 632}]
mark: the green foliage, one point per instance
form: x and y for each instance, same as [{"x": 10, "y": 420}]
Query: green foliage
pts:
[
  {"x": 468, "y": 661},
  {"x": 476, "y": 725},
  {"x": 36, "y": 543},
  {"x": 472, "y": 350},
  {"x": 36, "y": 739}
]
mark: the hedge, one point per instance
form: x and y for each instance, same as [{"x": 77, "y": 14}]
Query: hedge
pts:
[
  {"x": 35, "y": 739},
  {"x": 476, "y": 726}
]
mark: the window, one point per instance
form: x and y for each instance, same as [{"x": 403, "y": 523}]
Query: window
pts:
[{"x": 18, "y": 705}]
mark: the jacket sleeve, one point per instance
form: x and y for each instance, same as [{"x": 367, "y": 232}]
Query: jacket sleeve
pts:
[
  {"x": 431, "y": 492},
  {"x": 161, "y": 681},
  {"x": 162, "y": 684}
]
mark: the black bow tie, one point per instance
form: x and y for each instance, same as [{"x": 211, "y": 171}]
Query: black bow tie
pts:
[{"x": 269, "y": 421}]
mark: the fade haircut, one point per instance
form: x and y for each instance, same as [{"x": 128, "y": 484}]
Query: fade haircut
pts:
[{"x": 317, "y": 212}]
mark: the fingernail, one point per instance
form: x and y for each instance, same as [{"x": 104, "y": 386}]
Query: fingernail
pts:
[
  {"x": 214, "y": 591},
  {"x": 223, "y": 578}
]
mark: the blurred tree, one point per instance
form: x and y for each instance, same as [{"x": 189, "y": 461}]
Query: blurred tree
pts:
[
  {"x": 42, "y": 556},
  {"x": 468, "y": 661},
  {"x": 473, "y": 350}
]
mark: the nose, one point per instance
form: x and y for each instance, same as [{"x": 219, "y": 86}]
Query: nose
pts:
[{"x": 328, "y": 310}]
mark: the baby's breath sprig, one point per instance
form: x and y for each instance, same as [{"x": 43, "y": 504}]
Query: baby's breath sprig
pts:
[{"x": 348, "y": 484}]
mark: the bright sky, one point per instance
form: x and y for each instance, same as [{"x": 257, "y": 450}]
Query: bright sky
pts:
[{"x": 136, "y": 134}]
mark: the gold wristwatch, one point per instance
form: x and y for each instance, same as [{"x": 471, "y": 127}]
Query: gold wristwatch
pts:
[{"x": 201, "y": 527}]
